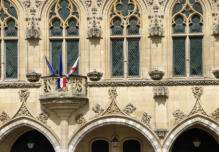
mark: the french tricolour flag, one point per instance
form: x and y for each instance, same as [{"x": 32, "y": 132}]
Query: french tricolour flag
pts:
[
  {"x": 73, "y": 68},
  {"x": 61, "y": 82}
]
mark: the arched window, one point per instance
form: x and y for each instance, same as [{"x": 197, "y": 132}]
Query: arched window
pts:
[
  {"x": 100, "y": 146},
  {"x": 131, "y": 146},
  {"x": 187, "y": 35},
  {"x": 9, "y": 40},
  {"x": 125, "y": 39},
  {"x": 64, "y": 34}
]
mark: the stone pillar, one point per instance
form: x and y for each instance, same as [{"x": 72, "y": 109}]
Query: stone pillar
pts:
[{"x": 161, "y": 117}]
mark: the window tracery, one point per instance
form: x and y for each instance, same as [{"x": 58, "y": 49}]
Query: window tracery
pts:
[
  {"x": 125, "y": 38},
  {"x": 9, "y": 40},
  {"x": 64, "y": 33},
  {"x": 187, "y": 34}
]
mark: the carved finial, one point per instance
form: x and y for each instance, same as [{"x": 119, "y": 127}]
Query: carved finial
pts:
[
  {"x": 4, "y": 117},
  {"x": 146, "y": 118},
  {"x": 113, "y": 93},
  {"x": 197, "y": 91},
  {"x": 129, "y": 109},
  {"x": 24, "y": 94}
]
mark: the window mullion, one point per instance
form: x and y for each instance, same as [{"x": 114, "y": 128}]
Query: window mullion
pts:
[
  {"x": 187, "y": 56},
  {"x": 125, "y": 50},
  {"x": 64, "y": 50}
]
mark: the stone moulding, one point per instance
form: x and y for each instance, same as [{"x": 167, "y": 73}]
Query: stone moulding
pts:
[
  {"x": 19, "y": 85},
  {"x": 140, "y": 83}
]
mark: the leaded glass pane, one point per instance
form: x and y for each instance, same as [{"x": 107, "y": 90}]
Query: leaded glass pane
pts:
[
  {"x": 10, "y": 29},
  {"x": 133, "y": 28},
  {"x": 72, "y": 29},
  {"x": 179, "y": 63},
  {"x": 125, "y": 7},
  {"x": 195, "y": 55},
  {"x": 56, "y": 29},
  {"x": 197, "y": 6},
  {"x": 52, "y": 12},
  {"x": 11, "y": 10},
  {"x": 117, "y": 28},
  {"x": 55, "y": 48},
  {"x": 195, "y": 26},
  {"x": 11, "y": 58},
  {"x": 64, "y": 11},
  {"x": 179, "y": 26},
  {"x": 133, "y": 57},
  {"x": 187, "y": 11},
  {"x": 72, "y": 54},
  {"x": 177, "y": 7},
  {"x": 3, "y": 15},
  {"x": 117, "y": 57},
  {"x": 0, "y": 61}
]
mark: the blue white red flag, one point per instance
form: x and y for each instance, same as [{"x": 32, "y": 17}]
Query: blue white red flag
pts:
[
  {"x": 73, "y": 68},
  {"x": 60, "y": 64},
  {"x": 61, "y": 82},
  {"x": 50, "y": 67}
]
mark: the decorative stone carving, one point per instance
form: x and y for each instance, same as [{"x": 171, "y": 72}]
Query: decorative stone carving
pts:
[
  {"x": 95, "y": 76},
  {"x": 146, "y": 118},
  {"x": 98, "y": 109},
  {"x": 33, "y": 30},
  {"x": 149, "y": 2},
  {"x": 197, "y": 109},
  {"x": 156, "y": 74},
  {"x": 33, "y": 77},
  {"x": 23, "y": 95},
  {"x": 88, "y": 3},
  {"x": 197, "y": 91},
  {"x": 160, "y": 92},
  {"x": 4, "y": 117},
  {"x": 215, "y": 15},
  {"x": 179, "y": 115},
  {"x": 80, "y": 119},
  {"x": 23, "y": 111},
  {"x": 216, "y": 72},
  {"x": 215, "y": 115},
  {"x": 99, "y": 3},
  {"x": 43, "y": 117},
  {"x": 134, "y": 83},
  {"x": 161, "y": 133},
  {"x": 156, "y": 26},
  {"x": 129, "y": 109},
  {"x": 112, "y": 93}
]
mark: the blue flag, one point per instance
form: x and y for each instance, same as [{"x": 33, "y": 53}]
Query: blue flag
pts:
[
  {"x": 50, "y": 67},
  {"x": 60, "y": 64}
]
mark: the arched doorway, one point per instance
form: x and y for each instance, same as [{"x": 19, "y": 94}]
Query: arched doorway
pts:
[
  {"x": 32, "y": 141},
  {"x": 195, "y": 140}
]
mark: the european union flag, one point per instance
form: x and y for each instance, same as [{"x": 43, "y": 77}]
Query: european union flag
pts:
[
  {"x": 50, "y": 67},
  {"x": 60, "y": 64}
]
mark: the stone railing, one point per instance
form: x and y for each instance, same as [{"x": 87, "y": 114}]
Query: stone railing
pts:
[{"x": 75, "y": 86}]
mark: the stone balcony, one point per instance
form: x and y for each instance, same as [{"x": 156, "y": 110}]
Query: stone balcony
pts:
[{"x": 63, "y": 101}]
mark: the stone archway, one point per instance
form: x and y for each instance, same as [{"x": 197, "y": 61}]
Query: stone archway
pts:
[
  {"x": 188, "y": 123},
  {"x": 125, "y": 121},
  {"x": 29, "y": 124}
]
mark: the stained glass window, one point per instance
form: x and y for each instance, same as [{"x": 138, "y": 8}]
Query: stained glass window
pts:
[
  {"x": 125, "y": 39},
  {"x": 64, "y": 34},
  {"x": 187, "y": 24},
  {"x": 9, "y": 39}
]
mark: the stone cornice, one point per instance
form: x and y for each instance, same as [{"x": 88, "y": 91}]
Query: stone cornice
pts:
[
  {"x": 140, "y": 83},
  {"x": 19, "y": 85}
]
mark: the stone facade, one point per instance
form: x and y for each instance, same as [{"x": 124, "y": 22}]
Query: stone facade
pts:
[{"x": 155, "y": 112}]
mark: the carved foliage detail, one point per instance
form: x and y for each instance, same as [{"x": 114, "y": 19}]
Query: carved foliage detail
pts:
[
  {"x": 23, "y": 95},
  {"x": 215, "y": 115},
  {"x": 179, "y": 115},
  {"x": 43, "y": 117},
  {"x": 98, "y": 109},
  {"x": 146, "y": 118},
  {"x": 129, "y": 109},
  {"x": 197, "y": 91},
  {"x": 80, "y": 119},
  {"x": 160, "y": 92},
  {"x": 4, "y": 117}
]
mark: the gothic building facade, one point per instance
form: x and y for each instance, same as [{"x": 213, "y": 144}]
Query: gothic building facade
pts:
[{"x": 146, "y": 80}]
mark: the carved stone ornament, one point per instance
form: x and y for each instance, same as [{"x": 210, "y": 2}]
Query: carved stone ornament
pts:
[
  {"x": 197, "y": 91},
  {"x": 216, "y": 29},
  {"x": 146, "y": 118},
  {"x": 129, "y": 109},
  {"x": 215, "y": 115},
  {"x": 4, "y": 117},
  {"x": 160, "y": 92},
  {"x": 80, "y": 119},
  {"x": 149, "y": 2},
  {"x": 94, "y": 75},
  {"x": 156, "y": 74},
  {"x": 23, "y": 95},
  {"x": 197, "y": 109},
  {"x": 94, "y": 30},
  {"x": 161, "y": 133},
  {"x": 216, "y": 72},
  {"x": 33, "y": 30},
  {"x": 179, "y": 115},
  {"x": 88, "y": 3},
  {"x": 112, "y": 93},
  {"x": 43, "y": 117},
  {"x": 23, "y": 111},
  {"x": 98, "y": 109},
  {"x": 99, "y": 2},
  {"x": 33, "y": 77}
]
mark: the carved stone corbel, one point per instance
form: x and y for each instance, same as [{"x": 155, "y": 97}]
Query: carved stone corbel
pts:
[{"x": 161, "y": 133}]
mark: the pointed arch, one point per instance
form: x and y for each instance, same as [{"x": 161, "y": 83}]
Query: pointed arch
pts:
[
  {"x": 29, "y": 122},
  {"x": 120, "y": 120},
  {"x": 189, "y": 123}
]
